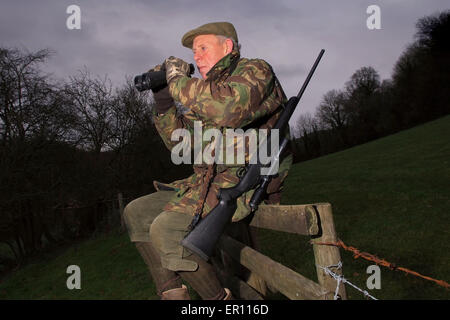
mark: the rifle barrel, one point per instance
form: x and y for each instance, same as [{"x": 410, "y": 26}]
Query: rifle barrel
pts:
[{"x": 311, "y": 72}]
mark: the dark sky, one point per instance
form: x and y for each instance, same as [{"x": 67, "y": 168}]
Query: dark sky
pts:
[{"x": 120, "y": 38}]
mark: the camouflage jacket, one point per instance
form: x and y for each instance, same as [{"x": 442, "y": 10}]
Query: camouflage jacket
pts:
[{"x": 238, "y": 93}]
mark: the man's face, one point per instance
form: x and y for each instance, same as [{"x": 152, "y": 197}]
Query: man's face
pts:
[{"x": 208, "y": 50}]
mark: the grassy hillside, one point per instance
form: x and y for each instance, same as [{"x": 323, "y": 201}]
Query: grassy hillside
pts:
[{"x": 390, "y": 197}]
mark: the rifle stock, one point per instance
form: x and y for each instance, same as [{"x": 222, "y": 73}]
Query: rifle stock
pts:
[{"x": 205, "y": 234}]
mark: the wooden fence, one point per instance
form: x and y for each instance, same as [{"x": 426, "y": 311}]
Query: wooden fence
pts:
[{"x": 314, "y": 221}]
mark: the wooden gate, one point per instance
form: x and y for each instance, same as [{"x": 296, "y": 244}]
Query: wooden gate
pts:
[{"x": 312, "y": 220}]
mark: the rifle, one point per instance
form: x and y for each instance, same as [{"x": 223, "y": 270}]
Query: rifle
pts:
[{"x": 203, "y": 237}]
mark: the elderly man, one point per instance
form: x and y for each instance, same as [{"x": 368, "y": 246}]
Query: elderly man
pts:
[{"x": 234, "y": 92}]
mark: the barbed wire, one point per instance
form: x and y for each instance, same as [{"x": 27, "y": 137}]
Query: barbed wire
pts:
[
  {"x": 370, "y": 257},
  {"x": 340, "y": 278}
]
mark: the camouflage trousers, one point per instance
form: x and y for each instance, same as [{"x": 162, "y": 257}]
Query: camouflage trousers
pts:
[{"x": 147, "y": 221}]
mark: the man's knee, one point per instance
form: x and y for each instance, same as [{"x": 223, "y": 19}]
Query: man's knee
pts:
[
  {"x": 166, "y": 233},
  {"x": 138, "y": 215},
  {"x": 168, "y": 228},
  {"x": 159, "y": 229}
]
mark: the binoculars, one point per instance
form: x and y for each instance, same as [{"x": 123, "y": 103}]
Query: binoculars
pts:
[{"x": 154, "y": 80}]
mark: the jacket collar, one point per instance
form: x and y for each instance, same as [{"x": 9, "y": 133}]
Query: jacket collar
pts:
[{"x": 224, "y": 67}]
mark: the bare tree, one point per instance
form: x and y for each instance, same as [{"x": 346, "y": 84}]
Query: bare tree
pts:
[
  {"x": 31, "y": 116},
  {"x": 331, "y": 111},
  {"x": 363, "y": 82},
  {"x": 130, "y": 112},
  {"x": 307, "y": 128},
  {"x": 433, "y": 31},
  {"x": 332, "y": 115},
  {"x": 92, "y": 100},
  {"x": 25, "y": 92},
  {"x": 306, "y": 124},
  {"x": 422, "y": 72},
  {"x": 361, "y": 107}
]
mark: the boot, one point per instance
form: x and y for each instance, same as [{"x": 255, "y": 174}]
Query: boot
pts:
[{"x": 176, "y": 294}]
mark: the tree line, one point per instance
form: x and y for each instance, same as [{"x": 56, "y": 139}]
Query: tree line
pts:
[
  {"x": 368, "y": 108},
  {"x": 67, "y": 147}
]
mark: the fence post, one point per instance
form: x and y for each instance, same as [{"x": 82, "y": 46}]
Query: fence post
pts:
[{"x": 327, "y": 255}]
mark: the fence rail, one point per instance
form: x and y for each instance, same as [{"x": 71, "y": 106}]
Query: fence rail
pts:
[{"x": 312, "y": 220}]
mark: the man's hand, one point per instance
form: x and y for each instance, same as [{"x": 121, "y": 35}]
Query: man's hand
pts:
[
  {"x": 163, "y": 99},
  {"x": 176, "y": 67}
]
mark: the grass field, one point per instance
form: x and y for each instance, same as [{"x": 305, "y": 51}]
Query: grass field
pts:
[{"x": 390, "y": 197}]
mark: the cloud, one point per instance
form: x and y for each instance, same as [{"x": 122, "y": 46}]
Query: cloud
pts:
[{"x": 121, "y": 38}]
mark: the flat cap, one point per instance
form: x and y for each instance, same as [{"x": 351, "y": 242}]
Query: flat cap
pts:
[{"x": 219, "y": 28}]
